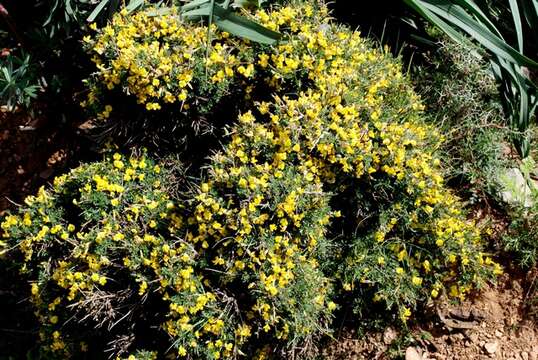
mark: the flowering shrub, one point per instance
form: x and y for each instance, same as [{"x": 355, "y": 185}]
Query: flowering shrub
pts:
[
  {"x": 101, "y": 252},
  {"x": 166, "y": 64},
  {"x": 327, "y": 193}
]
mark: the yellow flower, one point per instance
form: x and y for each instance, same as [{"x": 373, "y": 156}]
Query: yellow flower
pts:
[{"x": 405, "y": 314}]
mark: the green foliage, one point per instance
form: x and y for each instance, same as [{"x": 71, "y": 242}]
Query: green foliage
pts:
[
  {"x": 67, "y": 18},
  {"x": 519, "y": 93},
  {"x": 18, "y": 81},
  {"x": 101, "y": 251},
  {"x": 461, "y": 97},
  {"x": 113, "y": 6},
  {"x": 49, "y": 31}
]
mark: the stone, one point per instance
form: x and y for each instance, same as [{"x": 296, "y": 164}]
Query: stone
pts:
[
  {"x": 515, "y": 188},
  {"x": 524, "y": 355},
  {"x": 412, "y": 354},
  {"x": 491, "y": 347}
]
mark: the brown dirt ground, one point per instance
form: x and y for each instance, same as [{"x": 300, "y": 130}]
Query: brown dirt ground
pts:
[
  {"x": 32, "y": 151},
  {"x": 501, "y": 322}
]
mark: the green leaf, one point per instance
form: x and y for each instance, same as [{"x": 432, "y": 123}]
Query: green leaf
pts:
[
  {"x": 444, "y": 13},
  {"x": 194, "y": 4},
  {"x": 246, "y": 3},
  {"x": 230, "y": 22},
  {"x": 243, "y": 27},
  {"x": 519, "y": 94},
  {"x": 97, "y": 10},
  {"x": 134, "y": 4},
  {"x": 529, "y": 9},
  {"x": 514, "y": 9}
]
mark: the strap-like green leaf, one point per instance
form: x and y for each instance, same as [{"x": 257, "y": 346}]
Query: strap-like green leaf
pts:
[
  {"x": 516, "y": 16},
  {"x": 519, "y": 94},
  {"x": 134, "y": 4},
  {"x": 230, "y": 22},
  {"x": 529, "y": 8},
  {"x": 194, "y": 4},
  {"x": 475, "y": 10},
  {"x": 97, "y": 10},
  {"x": 454, "y": 15},
  {"x": 241, "y": 26}
]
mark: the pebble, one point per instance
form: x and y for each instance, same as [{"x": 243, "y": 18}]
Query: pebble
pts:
[
  {"x": 524, "y": 355},
  {"x": 491, "y": 347},
  {"x": 412, "y": 354}
]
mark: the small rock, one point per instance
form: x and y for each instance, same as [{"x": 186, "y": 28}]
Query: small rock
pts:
[
  {"x": 524, "y": 355},
  {"x": 516, "y": 189},
  {"x": 412, "y": 354},
  {"x": 389, "y": 335},
  {"x": 498, "y": 333},
  {"x": 491, "y": 347}
]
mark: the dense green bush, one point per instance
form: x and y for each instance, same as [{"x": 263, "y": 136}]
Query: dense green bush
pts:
[
  {"x": 461, "y": 97},
  {"x": 512, "y": 52},
  {"x": 45, "y": 36},
  {"x": 102, "y": 252},
  {"x": 325, "y": 194}
]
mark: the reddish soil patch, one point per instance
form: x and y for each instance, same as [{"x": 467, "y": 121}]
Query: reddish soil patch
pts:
[
  {"x": 500, "y": 323},
  {"x": 31, "y": 152}
]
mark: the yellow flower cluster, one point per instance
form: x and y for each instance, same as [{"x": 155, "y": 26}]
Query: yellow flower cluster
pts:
[
  {"x": 162, "y": 60},
  {"x": 264, "y": 225},
  {"x": 356, "y": 124},
  {"x": 121, "y": 235}
]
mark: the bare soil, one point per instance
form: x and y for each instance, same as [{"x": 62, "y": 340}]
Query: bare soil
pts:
[{"x": 501, "y": 322}]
